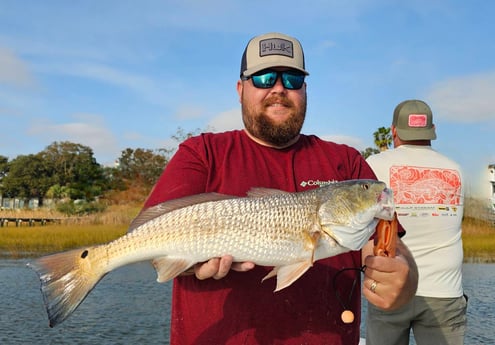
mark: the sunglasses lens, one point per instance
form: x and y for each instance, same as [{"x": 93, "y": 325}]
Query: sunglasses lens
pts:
[
  {"x": 265, "y": 80},
  {"x": 292, "y": 81}
]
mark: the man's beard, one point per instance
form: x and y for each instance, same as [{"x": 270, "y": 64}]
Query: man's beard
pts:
[{"x": 262, "y": 127}]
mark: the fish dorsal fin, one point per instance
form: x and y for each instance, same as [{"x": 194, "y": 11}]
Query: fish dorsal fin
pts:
[
  {"x": 171, "y": 205},
  {"x": 258, "y": 192}
]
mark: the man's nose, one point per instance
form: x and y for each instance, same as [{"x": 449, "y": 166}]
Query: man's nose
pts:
[{"x": 278, "y": 86}]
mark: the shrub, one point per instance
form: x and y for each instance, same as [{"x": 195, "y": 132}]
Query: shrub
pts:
[{"x": 80, "y": 207}]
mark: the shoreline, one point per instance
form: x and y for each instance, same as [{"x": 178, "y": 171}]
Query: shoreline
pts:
[{"x": 479, "y": 260}]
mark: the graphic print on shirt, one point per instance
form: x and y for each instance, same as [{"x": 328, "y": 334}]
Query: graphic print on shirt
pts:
[{"x": 420, "y": 185}]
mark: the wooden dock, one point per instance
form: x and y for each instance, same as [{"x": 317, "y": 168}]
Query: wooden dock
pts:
[{"x": 20, "y": 221}]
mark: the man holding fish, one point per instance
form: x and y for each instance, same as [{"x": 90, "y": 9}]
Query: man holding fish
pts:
[
  {"x": 221, "y": 301},
  {"x": 234, "y": 209}
]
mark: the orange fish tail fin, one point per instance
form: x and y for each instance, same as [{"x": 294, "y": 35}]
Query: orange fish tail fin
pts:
[{"x": 66, "y": 279}]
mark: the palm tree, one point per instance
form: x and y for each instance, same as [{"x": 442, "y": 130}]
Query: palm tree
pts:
[{"x": 383, "y": 138}]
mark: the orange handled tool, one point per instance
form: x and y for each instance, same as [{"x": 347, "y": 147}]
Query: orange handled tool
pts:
[{"x": 386, "y": 237}]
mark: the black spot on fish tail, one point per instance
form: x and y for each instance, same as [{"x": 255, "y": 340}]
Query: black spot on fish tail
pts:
[{"x": 84, "y": 254}]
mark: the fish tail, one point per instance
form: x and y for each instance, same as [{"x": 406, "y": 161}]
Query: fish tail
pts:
[{"x": 66, "y": 279}]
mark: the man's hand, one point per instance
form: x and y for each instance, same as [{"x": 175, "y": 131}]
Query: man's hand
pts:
[
  {"x": 218, "y": 268},
  {"x": 389, "y": 283}
]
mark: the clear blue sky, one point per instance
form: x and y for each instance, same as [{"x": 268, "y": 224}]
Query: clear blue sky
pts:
[{"x": 115, "y": 74}]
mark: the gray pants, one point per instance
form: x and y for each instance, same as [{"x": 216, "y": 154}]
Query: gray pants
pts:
[{"x": 434, "y": 321}]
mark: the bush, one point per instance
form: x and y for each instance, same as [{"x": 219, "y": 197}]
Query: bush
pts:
[{"x": 80, "y": 207}]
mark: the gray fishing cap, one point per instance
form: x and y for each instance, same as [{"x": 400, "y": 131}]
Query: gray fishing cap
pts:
[{"x": 272, "y": 50}]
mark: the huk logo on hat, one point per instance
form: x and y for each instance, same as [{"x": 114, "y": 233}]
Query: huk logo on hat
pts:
[{"x": 276, "y": 46}]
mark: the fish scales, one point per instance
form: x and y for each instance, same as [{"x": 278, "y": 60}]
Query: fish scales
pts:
[{"x": 230, "y": 226}]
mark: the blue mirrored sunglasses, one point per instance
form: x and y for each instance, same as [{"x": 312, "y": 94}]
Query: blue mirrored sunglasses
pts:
[{"x": 292, "y": 80}]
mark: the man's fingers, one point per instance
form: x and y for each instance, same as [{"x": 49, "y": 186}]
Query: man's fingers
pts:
[
  {"x": 223, "y": 267},
  {"x": 242, "y": 266},
  {"x": 206, "y": 269},
  {"x": 218, "y": 268}
]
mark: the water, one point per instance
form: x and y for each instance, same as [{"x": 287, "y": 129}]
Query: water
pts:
[{"x": 129, "y": 307}]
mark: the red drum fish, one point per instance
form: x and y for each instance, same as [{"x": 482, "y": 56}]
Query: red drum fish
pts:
[{"x": 288, "y": 231}]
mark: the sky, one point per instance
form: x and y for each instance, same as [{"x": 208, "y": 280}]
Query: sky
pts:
[{"x": 117, "y": 74}]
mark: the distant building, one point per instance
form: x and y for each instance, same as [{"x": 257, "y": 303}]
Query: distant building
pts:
[
  {"x": 16, "y": 203},
  {"x": 491, "y": 172}
]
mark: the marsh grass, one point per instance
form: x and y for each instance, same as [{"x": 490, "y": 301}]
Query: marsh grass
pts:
[
  {"x": 478, "y": 231},
  {"x": 26, "y": 241},
  {"x": 18, "y": 242},
  {"x": 478, "y": 240}
]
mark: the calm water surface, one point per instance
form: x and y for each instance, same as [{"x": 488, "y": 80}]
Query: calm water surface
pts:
[{"x": 129, "y": 307}]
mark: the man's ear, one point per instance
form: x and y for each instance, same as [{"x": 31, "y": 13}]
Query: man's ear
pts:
[{"x": 239, "y": 90}]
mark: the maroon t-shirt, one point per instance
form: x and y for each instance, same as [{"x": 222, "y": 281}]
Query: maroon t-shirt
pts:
[{"x": 240, "y": 309}]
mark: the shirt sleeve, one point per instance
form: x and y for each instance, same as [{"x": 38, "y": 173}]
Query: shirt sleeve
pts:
[{"x": 185, "y": 174}]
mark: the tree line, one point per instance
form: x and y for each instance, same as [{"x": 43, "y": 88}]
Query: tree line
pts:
[{"x": 68, "y": 174}]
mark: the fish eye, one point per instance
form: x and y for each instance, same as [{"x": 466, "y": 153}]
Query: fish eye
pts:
[{"x": 366, "y": 186}]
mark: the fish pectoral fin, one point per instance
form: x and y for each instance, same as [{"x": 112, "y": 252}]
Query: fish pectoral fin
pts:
[
  {"x": 313, "y": 239},
  {"x": 286, "y": 275},
  {"x": 168, "y": 268}
]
